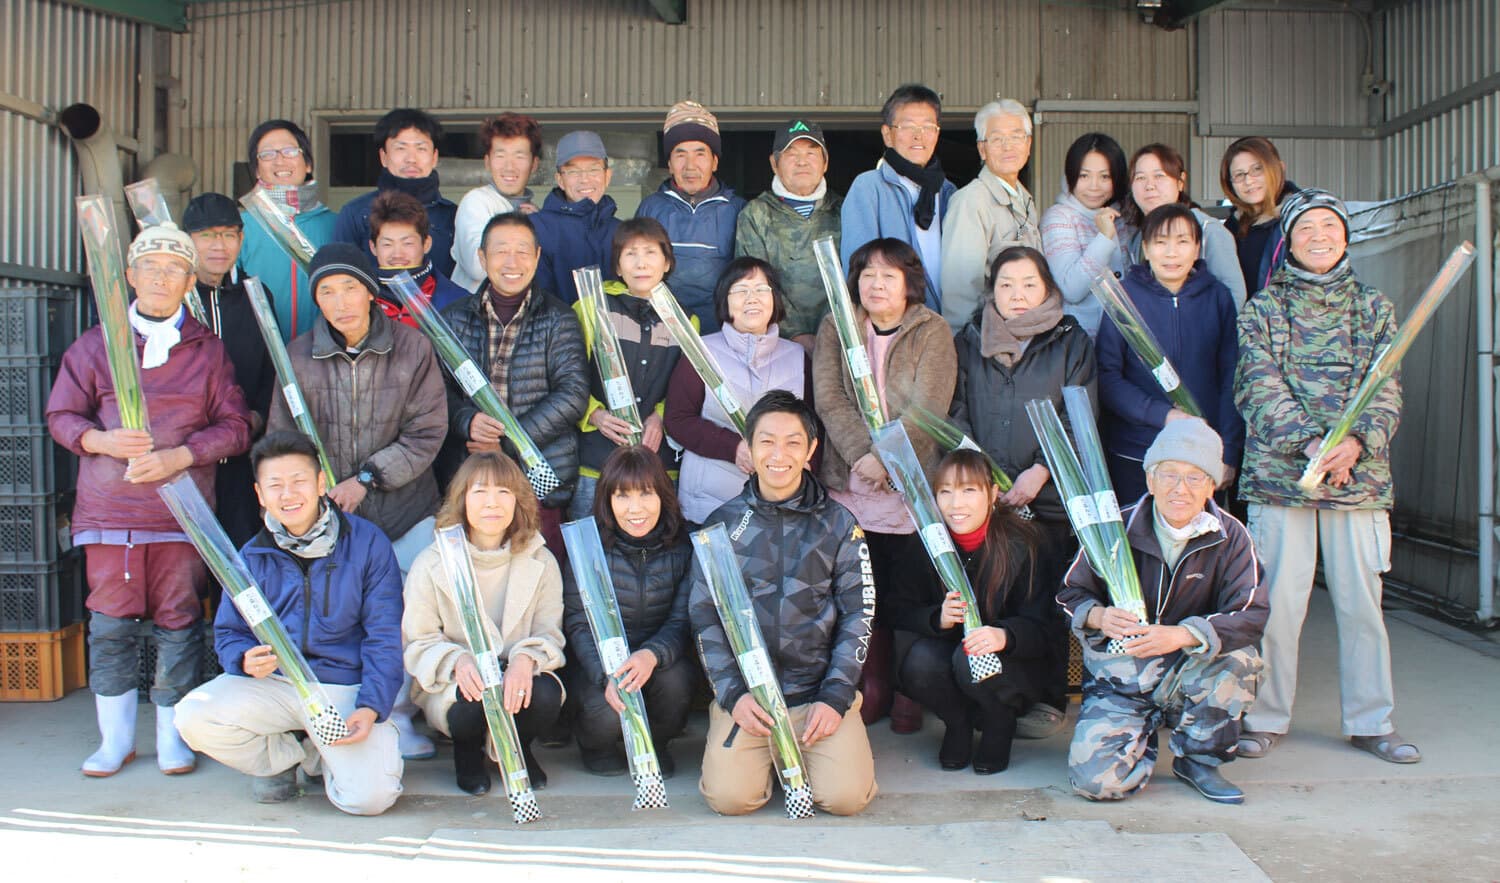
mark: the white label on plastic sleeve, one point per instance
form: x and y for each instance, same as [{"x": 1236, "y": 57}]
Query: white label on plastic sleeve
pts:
[
  {"x": 294, "y": 403},
  {"x": 489, "y": 669},
  {"x": 968, "y": 444},
  {"x": 617, "y": 393},
  {"x": 1081, "y": 512},
  {"x": 755, "y": 667},
  {"x": 935, "y": 537},
  {"x": 644, "y": 760},
  {"x": 726, "y": 399},
  {"x": 252, "y": 606},
  {"x": 1166, "y": 376},
  {"x": 859, "y": 362},
  {"x": 614, "y": 653},
  {"x": 791, "y": 772},
  {"x": 519, "y": 778},
  {"x": 468, "y": 377},
  {"x": 1107, "y": 507}
]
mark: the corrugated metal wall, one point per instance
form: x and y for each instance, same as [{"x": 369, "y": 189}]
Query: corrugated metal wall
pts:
[
  {"x": 1434, "y": 49},
  {"x": 55, "y": 56}
]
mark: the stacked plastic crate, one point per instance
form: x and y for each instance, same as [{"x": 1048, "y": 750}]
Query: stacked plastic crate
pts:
[{"x": 41, "y": 585}]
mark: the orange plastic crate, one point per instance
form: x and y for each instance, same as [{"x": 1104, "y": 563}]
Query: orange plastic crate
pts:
[{"x": 41, "y": 666}]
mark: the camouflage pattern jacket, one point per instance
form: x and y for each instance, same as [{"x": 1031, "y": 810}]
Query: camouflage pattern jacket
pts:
[
  {"x": 773, "y": 231},
  {"x": 808, "y": 570},
  {"x": 1306, "y": 344}
]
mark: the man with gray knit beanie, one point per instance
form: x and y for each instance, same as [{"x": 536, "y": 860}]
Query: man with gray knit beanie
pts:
[{"x": 1193, "y": 665}]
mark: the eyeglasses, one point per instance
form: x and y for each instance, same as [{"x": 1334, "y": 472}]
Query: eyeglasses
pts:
[
  {"x": 288, "y": 152},
  {"x": 160, "y": 271},
  {"x": 575, "y": 174},
  {"x": 1194, "y": 480},
  {"x": 914, "y": 129},
  {"x": 219, "y": 235},
  {"x": 743, "y": 290},
  {"x": 1007, "y": 140},
  {"x": 1255, "y": 171}
]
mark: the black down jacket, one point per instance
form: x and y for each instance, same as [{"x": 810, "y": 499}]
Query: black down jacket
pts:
[
  {"x": 808, "y": 571},
  {"x": 651, "y": 581},
  {"x": 547, "y": 386}
]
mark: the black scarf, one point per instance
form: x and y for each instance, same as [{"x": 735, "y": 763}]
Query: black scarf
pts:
[
  {"x": 418, "y": 275},
  {"x": 930, "y": 177},
  {"x": 424, "y": 189}
]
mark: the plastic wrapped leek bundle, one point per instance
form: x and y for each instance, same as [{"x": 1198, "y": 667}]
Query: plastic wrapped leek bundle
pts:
[
  {"x": 291, "y": 391},
  {"x": 453, "y": 551},
  {"x": 619, "y": 397},
  {"x": 893, "y": 446},
  {"x": 1389, "y": 359},
  {"x": 149, "y": 205},
  {"x": 856, "y": 358},
  {"x": 197, "y": 520},
  {"x": 258, "y": 203},
  {"x": 697, "y": 354},
  {"x": 1103, "y": 541},
  {"x": 726, "y": 584},
  {"x": 591, "y": 573},
  {"x": 476, "y": 386},
  {"x": 1122, "y": 311},
  {"x": 96, "y": 221},
  {"x": 951, "y": 438}
]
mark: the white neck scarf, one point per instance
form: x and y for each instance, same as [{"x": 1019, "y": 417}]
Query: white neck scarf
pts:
[
  {"x": 780, "y": 190},
  {"x": 160, "y": 336},
  {"x": 1201, "y": 524}
]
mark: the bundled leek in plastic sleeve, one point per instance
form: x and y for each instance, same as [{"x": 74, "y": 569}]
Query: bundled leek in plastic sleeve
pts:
[
  {"x": 619, "y": 397},
  {"x": 539, "y": 473},
  {"x": 697, "y": 354},
  {"x": 851, "y": 341},
  {"x": 96, "y": 221},
  {"x": 1389, "y": 359},
  {"x": 286, "y": 378},
  {"x": 453, "y": 551},
  {"x": 197, "y": 520},
  {"x": 1122, "y": 311},
  {"x": 726, "y": 584},
  {"x": 258, "y": 203},
  {"x": 893, "y": 446},
  {"x": 149, "y": 205},
  {"x": 951, "y": 438},
  {"x": 1103, "y": 539},
  {"x": 596, "y": 588}
]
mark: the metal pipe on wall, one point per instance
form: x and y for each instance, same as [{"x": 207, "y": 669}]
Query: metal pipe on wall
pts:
[{"x": 1485, "y": 303}]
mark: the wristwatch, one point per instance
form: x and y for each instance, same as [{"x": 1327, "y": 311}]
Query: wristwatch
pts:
[{"x": 366, "y": 478}]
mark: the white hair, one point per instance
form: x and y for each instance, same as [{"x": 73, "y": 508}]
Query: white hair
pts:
[{"x": 1004, "y": 107}]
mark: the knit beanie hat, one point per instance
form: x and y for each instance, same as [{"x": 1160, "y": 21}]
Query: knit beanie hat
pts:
[
  {"x": 1188, "y": 440},
  {"x": 690, "y": 121},
  {"x": 342, "y": 259},
  {"x": 209, "y": 210},
  {"x": 1303, "y": 201},
  {"x": 163, "y": 239}
]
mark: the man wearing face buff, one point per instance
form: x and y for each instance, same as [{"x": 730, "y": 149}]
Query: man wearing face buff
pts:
[
  {"x": 144, "y": 577},
  {"x": 807, "y": 569},
  {"x": 348, "y": 625},
  {"x": 1193, "y": 665}
]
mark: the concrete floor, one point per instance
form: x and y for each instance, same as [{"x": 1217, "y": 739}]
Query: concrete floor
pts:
[{"x": 1316, "y": 810}]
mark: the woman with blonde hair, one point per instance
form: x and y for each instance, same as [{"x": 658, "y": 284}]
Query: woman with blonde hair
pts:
[{"x": 520, "y": 588}]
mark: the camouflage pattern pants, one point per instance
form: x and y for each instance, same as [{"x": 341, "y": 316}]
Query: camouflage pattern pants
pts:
[{"x": 1125, "y": 701}]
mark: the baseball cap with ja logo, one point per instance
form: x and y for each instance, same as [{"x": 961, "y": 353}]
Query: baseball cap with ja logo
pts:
[{"x": 797, "y": 130}]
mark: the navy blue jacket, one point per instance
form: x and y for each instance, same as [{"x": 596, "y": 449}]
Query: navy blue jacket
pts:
[
  {"x": 1274, "y": 254},
  {"x": 344, "y": 611},
  {"x": 353, "y": 223},
  {"x": 573, "y": 235},
  {"x": 702, "y": 242},
  {"x": 1197, "y": 332}
]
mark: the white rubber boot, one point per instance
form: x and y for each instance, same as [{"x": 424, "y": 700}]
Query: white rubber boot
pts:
[
  {"x": 414, "y": 745},
  {"x": 173, "y": 756},
  {"x": 116, "y": 735}
]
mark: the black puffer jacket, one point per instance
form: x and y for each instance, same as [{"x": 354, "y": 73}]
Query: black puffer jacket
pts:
[
  {"x": 651, "y": 581},
  {"x": 547, "y": 386},
  {"x": 989, "y": 401},
  {"x": 808, "y": 571}
]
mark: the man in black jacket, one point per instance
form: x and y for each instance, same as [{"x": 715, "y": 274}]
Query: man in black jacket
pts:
[
  {"x": 531, "y": 348},
  {"x": 213, "y": 221},
  {"x": 808, "y": 571}
]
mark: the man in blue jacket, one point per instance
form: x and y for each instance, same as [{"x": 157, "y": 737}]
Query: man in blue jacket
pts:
[
  {"x": 906, "y": 195},
  {"x": 698, "y": 211},
  {"x": 333, "y": 581},
  {"x": 576, "y": 225}
]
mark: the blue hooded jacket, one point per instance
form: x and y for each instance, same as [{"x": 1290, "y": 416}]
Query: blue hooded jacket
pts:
[
  {"x": 702, "y": 241},
  {"x": 344, "y": 611},
  {"x": 1197, "y": 332},
  {"x": 573, "y": 235}
]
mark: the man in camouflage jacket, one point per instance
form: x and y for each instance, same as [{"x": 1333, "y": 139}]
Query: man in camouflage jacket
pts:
[{"x": 808, "y": 571}]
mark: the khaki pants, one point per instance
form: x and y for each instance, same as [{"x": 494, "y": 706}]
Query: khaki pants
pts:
[
  {"x": 737, "y": 778},
  {"x": 1356, "y": 549},
  {"x": 250, "y": 724}
]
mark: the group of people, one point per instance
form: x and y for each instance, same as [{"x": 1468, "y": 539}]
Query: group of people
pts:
[{"x": 969, "y": 304}]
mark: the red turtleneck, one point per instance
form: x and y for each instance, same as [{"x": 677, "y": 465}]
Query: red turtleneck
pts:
[{"x": 972, "y": 540}]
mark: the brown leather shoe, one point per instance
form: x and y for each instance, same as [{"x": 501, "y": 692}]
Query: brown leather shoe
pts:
[{"x": 906, "y": 715}]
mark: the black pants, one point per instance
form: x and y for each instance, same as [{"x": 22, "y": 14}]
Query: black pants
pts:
[
  {"x": 466, "y": 723},
  {"x": 668, "y": 695},
  {"x": 1056, "y": 552},
  {"x": 935, "y": 673}
]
